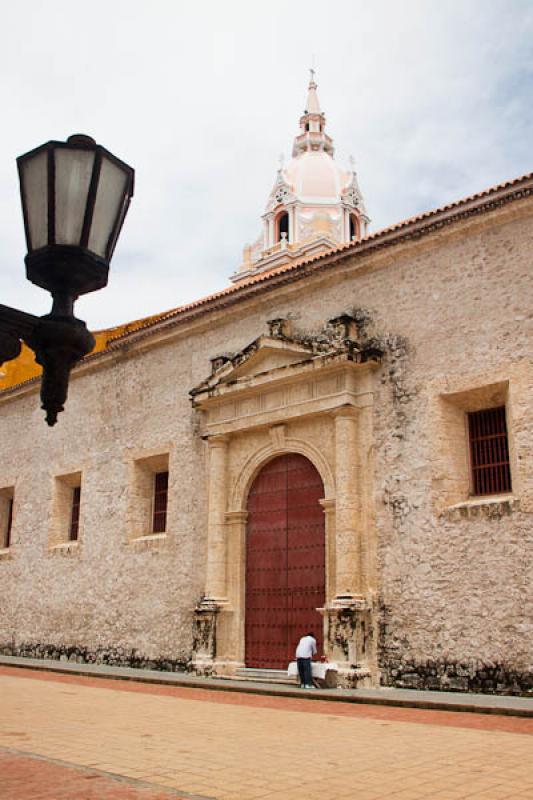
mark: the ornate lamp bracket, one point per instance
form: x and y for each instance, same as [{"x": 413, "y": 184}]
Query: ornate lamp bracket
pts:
[{"x": 59, "y": 341}]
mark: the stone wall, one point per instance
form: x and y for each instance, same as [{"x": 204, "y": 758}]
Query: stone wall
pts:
[{"x": 453, "y": 585}]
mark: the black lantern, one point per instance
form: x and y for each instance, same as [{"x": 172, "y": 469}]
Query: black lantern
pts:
[{"x": 75, "y": 196}]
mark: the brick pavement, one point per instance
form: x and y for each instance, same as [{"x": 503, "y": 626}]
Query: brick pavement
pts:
[
  {"x": 23, "y": 776},
  {"x": 241, "y": 747}
]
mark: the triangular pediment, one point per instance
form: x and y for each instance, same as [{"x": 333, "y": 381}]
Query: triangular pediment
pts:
[
  {"x": 264, "y": 355},
  {"x": 270, "y": 354},
  {"x": 283, "y": 355}
]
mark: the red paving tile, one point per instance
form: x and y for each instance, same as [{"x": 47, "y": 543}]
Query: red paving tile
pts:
[
  {"x": 24, "y": 777},
  {"x": 454, "y": 719}
]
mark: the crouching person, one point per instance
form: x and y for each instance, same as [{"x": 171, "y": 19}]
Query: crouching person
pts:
[{"x": 305, "y": 651}]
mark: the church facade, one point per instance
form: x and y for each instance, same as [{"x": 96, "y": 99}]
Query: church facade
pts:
[{"x": 340, "y": 441}]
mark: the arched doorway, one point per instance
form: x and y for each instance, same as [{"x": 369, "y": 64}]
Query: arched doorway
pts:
[{"x": 285, "y": 561}]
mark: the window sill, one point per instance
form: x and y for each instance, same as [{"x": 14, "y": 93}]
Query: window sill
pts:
[
  {"x": 64, "y": 548},
  {"x": 148, "y": 541},
  {"x": 489, "y": 507}
]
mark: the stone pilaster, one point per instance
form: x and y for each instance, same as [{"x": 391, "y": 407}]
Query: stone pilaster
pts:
[
  {"x": 216, "y": 588},
  {"x": 348, "y": 619},
  {"x": 230, "y": 623},
  {"x": 331, "y": 546},
  {"x": 365, "y": 470},
  {"x": 207, "y": 611},
  {"x": 347, "y": 568}
]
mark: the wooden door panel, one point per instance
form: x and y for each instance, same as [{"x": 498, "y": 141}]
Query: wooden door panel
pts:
[{"x": 285, "y": 561}]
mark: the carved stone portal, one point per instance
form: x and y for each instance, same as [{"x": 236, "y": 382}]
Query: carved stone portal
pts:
[{"x": 292, "y": 392}]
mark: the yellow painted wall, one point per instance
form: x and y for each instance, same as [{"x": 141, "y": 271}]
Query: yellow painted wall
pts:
[{"x": 24, "y": 367}]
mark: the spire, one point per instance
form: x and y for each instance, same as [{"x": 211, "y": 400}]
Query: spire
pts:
[
  {"x": 312, "y": 125},
  {"x": 312, "y": 106}
]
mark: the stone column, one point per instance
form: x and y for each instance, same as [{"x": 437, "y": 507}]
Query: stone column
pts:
[
  {"x": 270, "y": 223},
  {"x": 215, "y": 588},
  {"x": 346, "y": 225},
  {"x": 292, "y": 225},
  {"x": 347, "y": 545}
]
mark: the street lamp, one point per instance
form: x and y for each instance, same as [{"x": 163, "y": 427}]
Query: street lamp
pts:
[{"x": 75, "y": 196}]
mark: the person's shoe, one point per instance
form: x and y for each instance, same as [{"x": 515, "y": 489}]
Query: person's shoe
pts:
[
  {"x": 302, "y": 686},
  {"x": 309, "y": 687}
]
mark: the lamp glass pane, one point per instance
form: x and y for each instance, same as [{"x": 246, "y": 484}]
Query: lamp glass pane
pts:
[
  {"x": 34, "y": 179},
  {"x": 109, "y": 201},
  {"x": 73, "y": 178}
]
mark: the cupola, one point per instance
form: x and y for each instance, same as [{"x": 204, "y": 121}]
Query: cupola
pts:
[{"x": 315, "y": 204}]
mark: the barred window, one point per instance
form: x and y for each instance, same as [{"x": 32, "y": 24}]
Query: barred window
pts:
[
  {"x": 489, "y": 452},
  {"x": 159, "y": 521},
  {"x": 7, "y": 539},
  {"x": 6, "y": 516},
  {"x": 75, "y": 514}
]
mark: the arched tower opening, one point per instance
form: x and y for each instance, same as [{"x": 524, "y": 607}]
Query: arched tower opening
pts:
[
  {"x": 282, "y": 226},
  {"x": 355, "y": 229}
]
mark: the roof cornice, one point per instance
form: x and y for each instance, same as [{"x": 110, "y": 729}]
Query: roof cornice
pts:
[{"x": 408, "y": 230}]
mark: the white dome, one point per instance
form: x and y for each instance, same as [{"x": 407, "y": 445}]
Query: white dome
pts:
[{"x": 314, "y": 177}]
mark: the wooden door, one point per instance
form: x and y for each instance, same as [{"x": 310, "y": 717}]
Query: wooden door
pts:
[{"x": 285, "y": 561}]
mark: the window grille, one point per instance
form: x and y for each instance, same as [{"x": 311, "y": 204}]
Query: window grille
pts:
[
  {"x": 489, "y": 452},
  {"x": 159, "y": 521},
  {"x": 7, "y": 537},
  {"x": 75, "y": 514}
]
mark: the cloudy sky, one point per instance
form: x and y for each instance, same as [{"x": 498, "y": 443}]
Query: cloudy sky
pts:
[{"x": 433, "y": 99}]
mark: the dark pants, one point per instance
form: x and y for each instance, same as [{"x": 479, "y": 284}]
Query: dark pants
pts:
[{"x": 304, "y": 671}]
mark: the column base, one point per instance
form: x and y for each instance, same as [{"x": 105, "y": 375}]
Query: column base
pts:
[
  {"x": 205, "y": 634},
  {"x": 349, "y": 640},
  {"x": 358, "y": 678}
]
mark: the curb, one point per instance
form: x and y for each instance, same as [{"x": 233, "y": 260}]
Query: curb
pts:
[{"x": 245, "y": 687}]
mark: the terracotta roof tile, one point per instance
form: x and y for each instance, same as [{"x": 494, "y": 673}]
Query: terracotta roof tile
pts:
[
  {"x": 143, "y": 327},
  {"x": 295, "y": 265}
]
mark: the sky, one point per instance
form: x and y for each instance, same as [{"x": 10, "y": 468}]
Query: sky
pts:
[{"x": 432, "y": 99}]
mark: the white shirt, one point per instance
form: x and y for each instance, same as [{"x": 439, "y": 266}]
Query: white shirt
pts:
[{"x": 306, "y": 647}]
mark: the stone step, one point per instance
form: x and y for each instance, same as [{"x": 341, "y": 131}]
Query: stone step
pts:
[{"x": 265, "y": 675}]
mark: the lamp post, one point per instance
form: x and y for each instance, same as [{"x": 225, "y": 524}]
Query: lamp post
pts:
[{"x": 75, "y": 196}]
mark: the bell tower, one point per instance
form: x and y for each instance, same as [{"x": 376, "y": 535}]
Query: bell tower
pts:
[{"x": 315, "y": 204}]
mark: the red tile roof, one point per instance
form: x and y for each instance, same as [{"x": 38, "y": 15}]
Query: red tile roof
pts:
[
  {"x": 293, "y": 268},
  {"x": 411, "y": 228}
]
